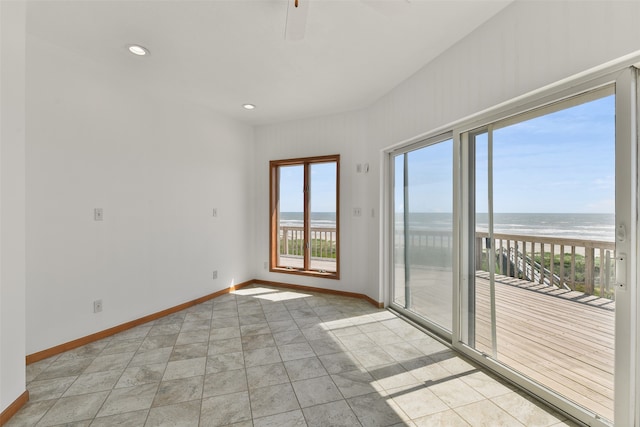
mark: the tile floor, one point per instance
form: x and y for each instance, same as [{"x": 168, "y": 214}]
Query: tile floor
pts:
[{"x": 264, "y": 356}]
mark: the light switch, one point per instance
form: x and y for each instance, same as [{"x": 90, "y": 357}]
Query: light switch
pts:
[{"x": 98, "y": 214}]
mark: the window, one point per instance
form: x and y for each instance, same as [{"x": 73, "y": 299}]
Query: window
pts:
[{"x": 304, "y": 216}]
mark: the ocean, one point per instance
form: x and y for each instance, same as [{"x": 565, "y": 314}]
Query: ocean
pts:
[{"x": 563, "y": 225}]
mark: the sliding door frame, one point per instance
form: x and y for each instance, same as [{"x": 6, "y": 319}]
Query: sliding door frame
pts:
[
  {"x": 405, "y": 150},
  {"x": 627, "y": 322},
  {"x": 626, "y": 213}
]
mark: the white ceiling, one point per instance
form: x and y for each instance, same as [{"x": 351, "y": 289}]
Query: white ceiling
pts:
[{"x": 223, "y": 54}]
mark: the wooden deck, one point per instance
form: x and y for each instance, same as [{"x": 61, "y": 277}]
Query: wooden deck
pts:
[{"x": 561, "y": 339}]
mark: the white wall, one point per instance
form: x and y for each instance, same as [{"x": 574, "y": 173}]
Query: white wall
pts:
[
  {"x": 156, "y": 166},
  {"x": 528, "y": 45},
  {"x": 343, "y": 134},
  {"x": 12, "y": 202}
]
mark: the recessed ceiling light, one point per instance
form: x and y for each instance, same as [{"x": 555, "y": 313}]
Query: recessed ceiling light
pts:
[
  {"x": 248, "y": 106},
  {"x": 138, "y": 50}
]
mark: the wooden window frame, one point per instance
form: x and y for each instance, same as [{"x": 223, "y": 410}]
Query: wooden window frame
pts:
[{"x": 274, "y": 209}]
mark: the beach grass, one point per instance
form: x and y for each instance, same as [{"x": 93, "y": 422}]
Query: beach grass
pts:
[{"x": 320, "y": 248}]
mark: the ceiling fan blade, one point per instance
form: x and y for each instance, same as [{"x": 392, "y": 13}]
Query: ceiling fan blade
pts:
[{"x": 296, "y": 19}]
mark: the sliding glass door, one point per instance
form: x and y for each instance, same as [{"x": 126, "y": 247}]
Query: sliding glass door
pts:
[
  {"x": 515, "y": 235},
  {"x": 543, "y": 247},
  {"x": 423, "y": 239}
]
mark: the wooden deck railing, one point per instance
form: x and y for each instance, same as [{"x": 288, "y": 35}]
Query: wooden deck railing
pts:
[
  {"x": 583, "y": 265},
  {"x": 323, "y": 242}
]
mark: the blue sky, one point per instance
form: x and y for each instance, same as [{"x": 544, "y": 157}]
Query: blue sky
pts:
[
  {"x": 558, "y": 163},
  {"x": 323, "y": 187}
]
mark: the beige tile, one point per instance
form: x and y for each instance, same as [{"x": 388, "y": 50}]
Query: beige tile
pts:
[
  {"x": 251, "y": 319},
  {"x": 196, "y": 325},
  {"x": 230, "y": 345},
  {"x": 486, "y": 414},
  {"x": 375, "y": 410},
  {"x": 528, "y": 412},
  {"x": 295, "y": 351},
  {"x": 192, "y": 337},
  {"x": 326, "y": 346},
  {"x": 283, "y": 326},
  {"x": 224, "y": 333},
  {"x": 447, "y": 418},
  {"x": 224, "y": 362},
  {"x": 316, "y": 391},
  {"x": 355, "y": 383},
  {"x": 225, "y": 383},
  {"x": 340, "y": 362},
  {"x": 189, "y": 351},
  {"x": 301, "y": 369},
  {"x": 90, "y": 350},
  {"x": 139, "y": 375},
  {"x": 110, "y": 362},
  {"x": 261, "y": 356},
  {"x": 129, "y": 399},
  {"x": 177, "y": 391},
  {"x": 129, "y": 419},
  {"x": 64, "y": 368},
  {"x": 265, "y": 375},
  {"x": 133, "y": 333},
  {"x": 122, "y": 346},
  {"x": 372, "y": 356},
  {"x": 455, "y": 393},
  {"x": 152, "y": 342},
  {"x": 253, "y": 342},
  {"x": 185, "y": 368},
  {"x": 486, "y": 385},
  {"x": 255, "y": 329},
  {"x": 165, "y": 329},
  {"x": 185, "y": 414},
  {"x": 74, "y": 408},
  {"x": 35, "y": 369},
  {"x": 49, "y": 389},
  {"x": 272, "y": 400},
  {"x": 334, "y": 414},
  {"x": 291, "y": 336},
  {"x": 30, "y": 413},
  {"x": 286, "y": 419},
  {"x": 393, "y": 376},
  {"x": 92, "y": 382},
  {"x": 418, "y": 401},
  {"x": 151, "y": 357},
  {"x": 403, "y": 351},
  {"x": 225, "y": 410}
]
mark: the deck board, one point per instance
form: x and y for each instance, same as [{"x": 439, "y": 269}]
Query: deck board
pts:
[{"x": 560, "y": 339}]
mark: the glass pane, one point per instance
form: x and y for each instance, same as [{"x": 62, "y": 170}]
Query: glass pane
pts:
[
  {"x": 291, "y": 216},
  {"x": 426, "y": 239},
  {"x": 482, "y": 248},
  {"x": 323, "y": 184},
  {"x": 553, "y": 251}
]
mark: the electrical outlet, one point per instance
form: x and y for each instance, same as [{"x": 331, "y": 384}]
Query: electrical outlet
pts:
[
  {"x": 357, "y": 212},
  {"x": 97, "y": 306},
  {"x": 215, "y": 274}
]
